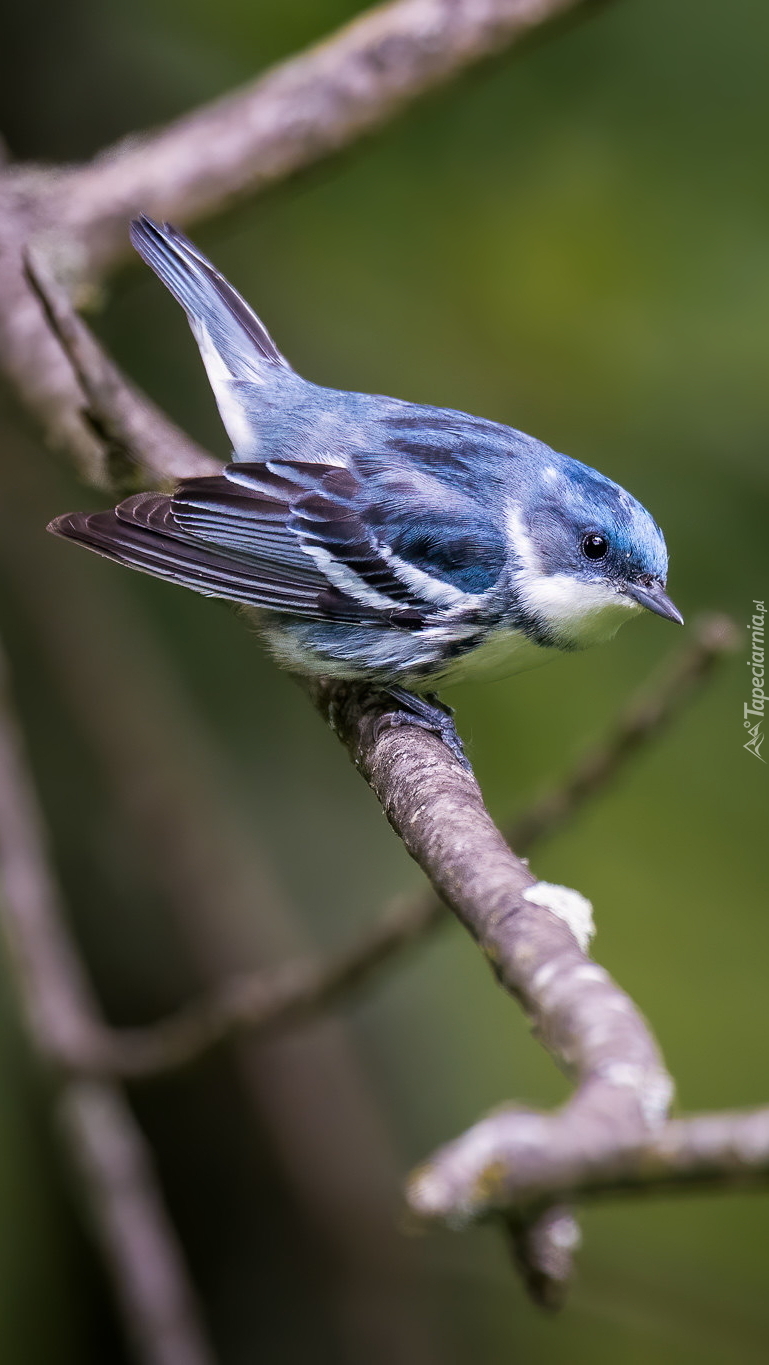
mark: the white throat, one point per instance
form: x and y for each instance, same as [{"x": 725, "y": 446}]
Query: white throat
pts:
[{"x": 577, "y": 612}]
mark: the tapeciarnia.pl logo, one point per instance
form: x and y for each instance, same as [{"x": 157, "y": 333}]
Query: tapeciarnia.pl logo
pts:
[{"x": 753, "y": 711}]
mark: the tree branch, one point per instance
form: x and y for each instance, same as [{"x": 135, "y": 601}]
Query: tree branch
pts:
[
  {"x": 309, "y": 107},
  {"x": 534, "y": 936},
  {"x": 498, "y": 1165},
  {"x": 139, "y": 444},
  {"x": 293, "y": 116},
  {"x": 265, "y": 1001},
  {"x": 611, "y": 1136},
  {"x": 259, "y": 1003},
  {"x": 104, "y": 1144},
  {"x": 542, "y": 1246}
]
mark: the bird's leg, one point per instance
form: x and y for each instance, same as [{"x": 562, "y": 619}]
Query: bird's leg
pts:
[
  {"x": 427, "y": 713},
  {"x": 434, "y": 700}
]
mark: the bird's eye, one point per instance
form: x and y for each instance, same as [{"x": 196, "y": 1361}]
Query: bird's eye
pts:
[{"x": 595, "y": 546}]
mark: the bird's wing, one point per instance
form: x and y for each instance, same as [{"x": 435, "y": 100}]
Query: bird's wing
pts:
[
  {"x": 284, "y": 536},
  {"x": 234, "y": 344}
]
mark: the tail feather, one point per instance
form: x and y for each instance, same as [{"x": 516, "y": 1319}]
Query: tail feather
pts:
[
  {"x": 234, "y": 344},
  {"x": 205, "y": 295}
]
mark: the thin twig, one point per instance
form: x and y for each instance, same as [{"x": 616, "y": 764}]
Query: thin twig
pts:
[
  {"x": 643, "y": 718},
  {"x": 140, "y": 444},
  {"x": 543, "y": 1246},
  {"x": 260, "y": 1002},
  {"x": 105, "y": 1146}
]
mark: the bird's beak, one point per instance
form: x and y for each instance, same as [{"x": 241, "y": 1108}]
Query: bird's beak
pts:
[{"x": 653, "y": 596}]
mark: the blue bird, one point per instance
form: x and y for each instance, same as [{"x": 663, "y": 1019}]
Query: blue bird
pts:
[{"x": 379, "y": 540}]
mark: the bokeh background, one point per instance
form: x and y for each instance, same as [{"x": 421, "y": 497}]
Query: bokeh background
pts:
[{"x": 574, "y": 240}]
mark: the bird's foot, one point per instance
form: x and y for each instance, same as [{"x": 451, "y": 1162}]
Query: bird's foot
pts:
[{"x": 426, "y": 713}]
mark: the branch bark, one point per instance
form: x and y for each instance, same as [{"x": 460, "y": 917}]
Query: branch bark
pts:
[
  {"x": 496, "y": 1166},
  {"x": 534, "y": 937}
]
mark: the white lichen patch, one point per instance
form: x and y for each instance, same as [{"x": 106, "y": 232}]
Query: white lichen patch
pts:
[
  {"x": 657, "y": 1098},
  {"x": 564, "y": 1233},
  {"x": 590, "y": 972},
  {"x": 569, "y": 905},
  {"x": 543, "y": 976},
  {"x": 653, "y": 1085}
]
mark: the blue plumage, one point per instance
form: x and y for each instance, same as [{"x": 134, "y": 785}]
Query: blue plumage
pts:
[{"x": 378, "y": 539}]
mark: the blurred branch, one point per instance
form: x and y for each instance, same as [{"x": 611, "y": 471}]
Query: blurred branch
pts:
[
  {"x": 311, "y": 106},
  {"x": 264, "y": 1001},
  {"x": 641, "y": 720},
  {"x": 498, "y": 1164},
  {"x": 304, "y": 109},
  {"x": 103, "y": 1142},
  {"x": 260, "y": 1002},
  {"x": 140, "y": 445},
  {"x": 543, "y": 1245}
]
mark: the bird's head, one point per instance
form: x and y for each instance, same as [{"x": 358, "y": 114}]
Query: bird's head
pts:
[{"x": 586, "y": 555}]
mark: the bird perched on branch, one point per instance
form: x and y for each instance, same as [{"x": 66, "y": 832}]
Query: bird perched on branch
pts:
[{"x": 379, "y": 540}]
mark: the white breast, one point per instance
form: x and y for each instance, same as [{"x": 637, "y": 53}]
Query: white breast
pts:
[{"x": 502, "y": 653}]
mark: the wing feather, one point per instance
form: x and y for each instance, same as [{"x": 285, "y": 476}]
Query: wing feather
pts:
[
  {"x": 305, "y": 539},
  {"x": 296, "y": 515},
  {"x": 263, "y": 538}
]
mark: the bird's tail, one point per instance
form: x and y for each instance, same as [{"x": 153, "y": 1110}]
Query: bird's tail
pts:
[{"x": 234, "y": 344}]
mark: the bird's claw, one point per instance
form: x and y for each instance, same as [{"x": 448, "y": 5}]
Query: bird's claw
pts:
[{"x": 426, "y": 713}]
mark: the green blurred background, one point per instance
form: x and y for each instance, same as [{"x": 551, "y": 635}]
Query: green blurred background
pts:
[{"x": 574, "y": 240}]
